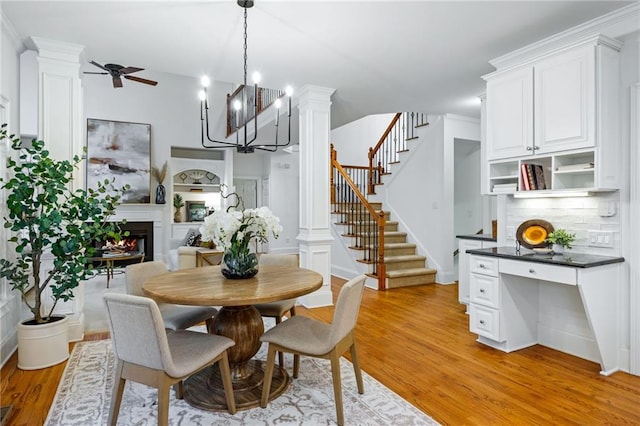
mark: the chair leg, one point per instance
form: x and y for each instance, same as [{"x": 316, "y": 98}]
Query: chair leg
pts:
[
  {"x": 337, "y": 385},
  {"x": 296, "y": 365},
  {"x": 356, "y": 368},
  {"x": 164, "y": 386},
  {"x": 178, "y": 388},
  {"x": 116, "y": 395},
  {"x": 292, "y": 311},
  {"x": 280, "y": 354},
  {"x": 226, "y": 382},
  {"x": 268, "y": 375},
  {"x": 209, "y": 323}
]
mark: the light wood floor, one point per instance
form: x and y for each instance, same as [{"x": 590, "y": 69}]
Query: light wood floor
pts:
[{"x": 416, "y": 341}]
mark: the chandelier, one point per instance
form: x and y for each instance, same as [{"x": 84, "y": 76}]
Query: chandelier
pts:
[{"x": 245, "y": 115}]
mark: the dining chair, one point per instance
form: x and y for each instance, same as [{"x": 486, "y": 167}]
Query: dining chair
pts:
[
  {"x": 176, "y": 317},
  {"x": 279, "y": 308},
  {"x": 146, "y": 354},
  {"x": 301, "y": 335}
]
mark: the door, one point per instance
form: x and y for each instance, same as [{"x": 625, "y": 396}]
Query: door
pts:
[{"x": 247, "y": 189}]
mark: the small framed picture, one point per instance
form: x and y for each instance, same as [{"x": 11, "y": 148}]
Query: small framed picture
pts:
[{"x": 196, "y": 211}]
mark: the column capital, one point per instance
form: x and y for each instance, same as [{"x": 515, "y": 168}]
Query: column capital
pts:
[
  {"x": 317, "y": 96},
  {"x": 56, "y": 50}
]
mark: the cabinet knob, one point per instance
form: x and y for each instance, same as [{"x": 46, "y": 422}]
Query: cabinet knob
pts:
[
  {"x": 536, "y": 147},
  {"x": 532, "y": 271},
  {"x": 481, "y": 266},
  {"x": 482, "y": 290},
  {"x": 482, "y": 322},
  {"x": 529, "y": 148}
]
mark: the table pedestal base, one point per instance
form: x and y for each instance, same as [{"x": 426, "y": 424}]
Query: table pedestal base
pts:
[{"x": 204, "y": 389}]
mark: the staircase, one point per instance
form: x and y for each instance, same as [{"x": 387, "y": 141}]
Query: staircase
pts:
[{"x": 374, "y": 238}]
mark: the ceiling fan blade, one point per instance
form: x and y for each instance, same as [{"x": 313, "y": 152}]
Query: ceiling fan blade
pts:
[
  {"x": 91, "y": 72},
  {"x": 98, "y": 65},
  {"x": 117, "y": 82},
  {"x": 129, "y": 70},
  {"x": 141, "y": 80}
]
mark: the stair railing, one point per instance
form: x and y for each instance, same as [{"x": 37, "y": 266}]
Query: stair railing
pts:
[
  {"x": 362, "y": 221},
  {"x": 392, "y": 142},
  {"x": 264, "y": 99}
]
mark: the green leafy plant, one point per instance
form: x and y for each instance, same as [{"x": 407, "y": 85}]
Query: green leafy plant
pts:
[
  {"x": 178, "y": 203},
  {"x": 46, "y": 215},
  {"x": 561, "y": 237}
]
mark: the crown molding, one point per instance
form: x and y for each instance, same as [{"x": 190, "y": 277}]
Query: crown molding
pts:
[
  {"x": 600, "y": 30},
  {"x": 10, "y": 31}
]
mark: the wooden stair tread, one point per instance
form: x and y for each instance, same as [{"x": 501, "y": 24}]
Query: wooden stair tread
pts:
[
  {"x": 404, "y": 258},
  {"x": 410, "y": 272}
]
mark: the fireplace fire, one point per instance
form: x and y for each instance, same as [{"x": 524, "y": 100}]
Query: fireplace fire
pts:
[
  {"x": 140, "y": 239},
  {"x": 124, "y": 245}
]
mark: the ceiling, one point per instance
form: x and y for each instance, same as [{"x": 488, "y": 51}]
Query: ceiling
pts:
[{"x": 380, "y": 56}]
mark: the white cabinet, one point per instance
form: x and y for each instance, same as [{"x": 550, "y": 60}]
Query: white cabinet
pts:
[
  {"x": 565, "y": 97},
  {"x": 510, "y": 114},
  {"x": 558, "y": 111},
  {"x": 464, "y": 265}
]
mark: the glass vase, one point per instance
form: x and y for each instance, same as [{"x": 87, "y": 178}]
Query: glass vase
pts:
[{"x": 239, "y": 266}]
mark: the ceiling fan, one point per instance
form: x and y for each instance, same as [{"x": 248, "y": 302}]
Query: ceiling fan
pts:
[{"x": 117, "y": 71}]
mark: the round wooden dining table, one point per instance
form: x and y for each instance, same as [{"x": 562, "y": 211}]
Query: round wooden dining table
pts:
[{"x": 238, "y": 320}]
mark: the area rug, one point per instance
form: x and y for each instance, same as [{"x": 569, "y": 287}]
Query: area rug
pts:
[{"x": 84, "y": 395}]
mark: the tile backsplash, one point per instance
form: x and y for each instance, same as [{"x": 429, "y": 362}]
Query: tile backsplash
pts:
[{"x": 578, "y": 215}]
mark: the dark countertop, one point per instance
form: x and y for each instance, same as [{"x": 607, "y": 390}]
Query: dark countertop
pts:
[
  {"x": 481, "y": 237},
  {"x": 576, "y": 260}
]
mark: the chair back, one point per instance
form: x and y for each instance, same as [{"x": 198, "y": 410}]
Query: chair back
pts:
[
  {"x": 137, "y": 331},
  {"x": 135, "y": 275},
  {"x": 290, "y": 260},
  {"x": 345, "y": 316}
]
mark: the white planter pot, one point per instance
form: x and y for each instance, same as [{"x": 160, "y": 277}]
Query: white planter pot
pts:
[
  {"x": 558, "y": 249},
  {"x": 43, "y": 345}
]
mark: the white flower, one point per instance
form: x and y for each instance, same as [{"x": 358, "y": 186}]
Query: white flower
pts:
[{"x": 235, "y": 229}]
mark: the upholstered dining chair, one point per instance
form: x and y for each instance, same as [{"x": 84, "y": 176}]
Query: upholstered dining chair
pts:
[
  {"x": 147, "y": 354},
  {"x": 278, "y": 309},
  {"x": 306, "y": 336},
  {"x": 176, "y": 317}
]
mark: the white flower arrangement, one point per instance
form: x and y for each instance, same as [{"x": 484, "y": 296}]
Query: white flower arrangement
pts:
[{"x": 234, "y": 230}]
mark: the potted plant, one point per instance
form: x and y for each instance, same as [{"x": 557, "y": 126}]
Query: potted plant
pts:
[
  {"x": 560, "y": 239},
  {"x": 178, "y": 204},
  {"x": 54, "y": 230}
]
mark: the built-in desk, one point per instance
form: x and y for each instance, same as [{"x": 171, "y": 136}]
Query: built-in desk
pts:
[{"x": 570, "y": 303}]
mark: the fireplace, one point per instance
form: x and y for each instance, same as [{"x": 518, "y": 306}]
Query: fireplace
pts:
[{"x": 140, "y": 239}]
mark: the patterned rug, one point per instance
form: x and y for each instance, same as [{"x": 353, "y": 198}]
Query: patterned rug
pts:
[{"x": 84, "y": 394}]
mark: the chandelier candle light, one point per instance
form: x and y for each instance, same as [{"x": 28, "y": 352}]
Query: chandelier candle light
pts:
[
  {"x": 242, "y": 112},
  {"x": 233, "y": 231}
]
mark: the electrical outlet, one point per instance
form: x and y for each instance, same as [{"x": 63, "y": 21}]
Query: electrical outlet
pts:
[{"x": 600, "y": 238}]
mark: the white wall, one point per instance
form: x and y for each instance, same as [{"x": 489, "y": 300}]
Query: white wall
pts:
[
  {"x": 10, "y": 303},
  {"x": 284, "y": 182},
  {"x": 353, "y": 140},
  {"x": 467, "y": 207}
]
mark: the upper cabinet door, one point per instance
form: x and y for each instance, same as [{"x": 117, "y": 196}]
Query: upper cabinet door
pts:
[
  {"x": 510, "y": 115},
  {"x": 565, "y": 94}
]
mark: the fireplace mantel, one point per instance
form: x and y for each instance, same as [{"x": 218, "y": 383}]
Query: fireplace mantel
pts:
[{"x": 144, "y": 213}]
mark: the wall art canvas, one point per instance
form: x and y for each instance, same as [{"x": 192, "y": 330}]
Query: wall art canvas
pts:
[{"x": 121, "y": 151}]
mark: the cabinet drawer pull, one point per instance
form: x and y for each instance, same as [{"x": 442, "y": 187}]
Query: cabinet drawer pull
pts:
[
  {"x": 529, "y": 148},
  {"x": 532, "y": 271},
  {"x": 535, "y": 147},
  {"x": 481, "y": 266},
  {"x": 482, "y": 290},
  {"x": 482, "y": 322}
]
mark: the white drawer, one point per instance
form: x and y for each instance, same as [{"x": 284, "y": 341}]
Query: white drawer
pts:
[
  {"x": 485, "y": 322},
  {"x": 540, "y": 271},
  {"x": 485, "y": 290},
  {"x": 484, "y": 265}
]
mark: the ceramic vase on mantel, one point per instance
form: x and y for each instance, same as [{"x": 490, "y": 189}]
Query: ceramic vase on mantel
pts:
[
  {"x": 160, "y": 194},
  {"x": 237, "y": 266}
]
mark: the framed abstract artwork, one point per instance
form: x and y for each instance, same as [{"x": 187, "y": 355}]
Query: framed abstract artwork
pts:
[
  {"x": 120, "y": 151},
  {"x": 196, "y": 211}
]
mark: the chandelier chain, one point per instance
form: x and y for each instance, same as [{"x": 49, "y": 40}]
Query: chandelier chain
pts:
[{"x": 245, "y": 47}]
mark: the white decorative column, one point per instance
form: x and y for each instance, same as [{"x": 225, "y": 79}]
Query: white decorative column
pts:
[
  {"x": 315, "y": 233},
  {"x": 61, "y": 127}
]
